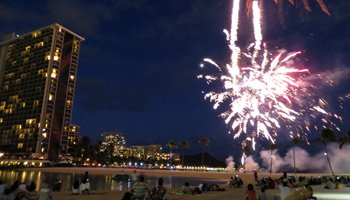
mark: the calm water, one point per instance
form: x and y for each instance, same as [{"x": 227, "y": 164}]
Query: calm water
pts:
[{"x": 98, "y": 182}]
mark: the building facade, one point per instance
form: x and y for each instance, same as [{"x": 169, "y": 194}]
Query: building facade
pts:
[
  {"x": 113, "y": 144},
  {"x": 73, "y": 135},
  {"x": 37, "y": 83}
]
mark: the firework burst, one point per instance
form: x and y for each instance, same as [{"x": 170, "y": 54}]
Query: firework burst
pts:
[{"x": 265, "y": 93}]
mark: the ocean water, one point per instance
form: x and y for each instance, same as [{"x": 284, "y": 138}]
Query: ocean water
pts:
[{"x": 99, "y": 182}]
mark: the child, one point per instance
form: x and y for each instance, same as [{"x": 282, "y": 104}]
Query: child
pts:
[
  {"x": 262, "y": 195},
  {"x": 251, "y": 192}
]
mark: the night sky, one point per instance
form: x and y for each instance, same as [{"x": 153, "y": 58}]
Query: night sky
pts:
[{"x": 138, "y": 66}]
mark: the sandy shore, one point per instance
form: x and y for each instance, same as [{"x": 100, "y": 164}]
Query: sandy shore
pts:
[{"x": 230, "y": 193}]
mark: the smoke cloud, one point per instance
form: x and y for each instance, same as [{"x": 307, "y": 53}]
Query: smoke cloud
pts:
[
  {"x": 230, "y": 164},
  {"x": 305, "y": 162}
]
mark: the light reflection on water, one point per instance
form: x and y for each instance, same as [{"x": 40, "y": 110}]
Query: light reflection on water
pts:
[{"x": 99, "y": 182}]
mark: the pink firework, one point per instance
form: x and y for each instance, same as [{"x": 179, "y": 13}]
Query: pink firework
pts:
[{"x": 264, "y": 94}]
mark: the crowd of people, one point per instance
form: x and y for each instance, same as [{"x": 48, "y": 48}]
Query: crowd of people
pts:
[
  {"x": 290, "y": 187},
  {"x": 21, "y": 191},
  {"x": 140, "y": 190}
]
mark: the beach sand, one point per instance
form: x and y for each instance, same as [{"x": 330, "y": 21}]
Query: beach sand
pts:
[{"x": 230, "y": 193}]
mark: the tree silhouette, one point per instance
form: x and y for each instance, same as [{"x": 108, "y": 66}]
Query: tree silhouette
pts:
[
  {"x": 344, "y": 140},
  {"x": 246, "y": 150},
  {"x": 184, "y": 144},
  {"x": 327, "y": 136},
  {"x": 204, "y": 141},
  {"x": 273, "y": 146},
  {"x": 295, "y": 141},
  {"x": 171, "y": 145}
]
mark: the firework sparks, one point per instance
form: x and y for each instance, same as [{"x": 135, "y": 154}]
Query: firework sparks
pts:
[
  {"x": 262, "y": 94},
  {"x": 306, "y": 4}
]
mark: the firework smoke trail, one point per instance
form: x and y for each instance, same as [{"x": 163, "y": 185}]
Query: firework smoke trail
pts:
[{"x": 263, "y": 94}]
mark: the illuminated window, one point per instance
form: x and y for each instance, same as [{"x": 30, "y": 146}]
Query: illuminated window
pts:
[
  {"x": 71, "y": 77},
  {"x": 50, "y": 97},
  {"x": 30, "y": 121},
  {"x": 39, "y": 44},
  {"x": 19, "y": 145},
  {"x": 8, "y": 111},
  {"x": 17, "y": 127},
  {"x": 1, "y": 120},
  {"x": 13, "y": 98},
  {"x": 21, "y": 136},
  {"x": 54, "y": 73},
  {"x": 69, "y": 102},
  {"x": 55, "y": 58},
  {"x": 47, "y": 57},
  {"x": 27, "y": 48},
  {"x": 41, "y": 72},
  {"x": 23, "y": 104},
  {"x": 36, "y": 34},
  {"x": 35, "y": 103},
  {"x": 10, "y": 75}
]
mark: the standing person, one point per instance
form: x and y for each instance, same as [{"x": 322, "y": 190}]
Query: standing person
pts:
[
  {"x": 262, "y": 195},
  {"x": 85, "y": 183},
  {"x": 32, "y": 187},
  {"x": 256, "y": 176},
  {"x": 284, "y": 177},
  {"x": 139, "y": 189},
  {"x": 86, "y": 177},
  {"x": 251, "y": 194},
  {"x": 45, "y": 193}
]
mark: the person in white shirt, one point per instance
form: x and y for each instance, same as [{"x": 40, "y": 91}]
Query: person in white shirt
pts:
[{"x": 285, "y": 190}]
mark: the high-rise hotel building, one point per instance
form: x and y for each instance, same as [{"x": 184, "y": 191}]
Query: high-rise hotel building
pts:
[{"x": 37, "y": 82}]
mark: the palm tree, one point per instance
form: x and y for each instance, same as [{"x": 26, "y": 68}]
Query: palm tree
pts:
[
  {"x": 246, "y": 150},
  {"x": 345, "y": 139},
  {"x": 327, "y": 136},
  {"x": 171, "y": 145},
  {"x": 205, "y": 142},
  {"x": 273, "y": 146},
  {"x": 295, "y": 141},
  {"x": 184, "y": 144}
]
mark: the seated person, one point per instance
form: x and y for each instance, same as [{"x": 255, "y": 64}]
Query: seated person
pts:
[
  {"x": 44, "y": 192},
  {"x": 237, "y": 182},
  {"x": 215, "y": 187},
  {"x": 187, "y": 189},
  {"x": 158, "y": 192},
  {"x": 203, "y": 187},
  {"x": 330, "y": 184},
  {"x": 284, "y": 190},
  {"x": 75, "y": 187},
  {"x": 139, "y": 189},
  {"x": 57, "y": 185}
]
